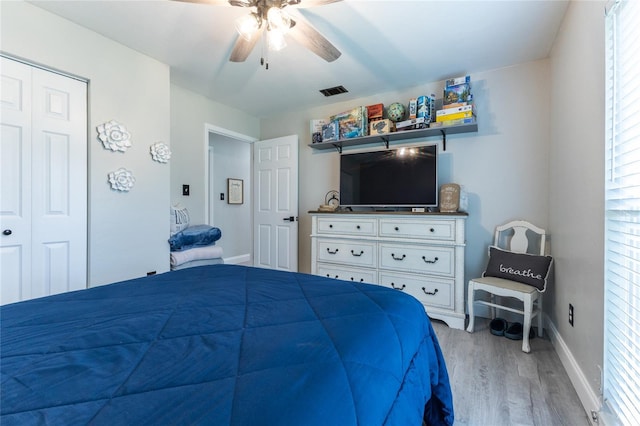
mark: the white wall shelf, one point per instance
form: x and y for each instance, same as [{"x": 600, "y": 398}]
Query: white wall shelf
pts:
[{"x": 397, "y": 136}]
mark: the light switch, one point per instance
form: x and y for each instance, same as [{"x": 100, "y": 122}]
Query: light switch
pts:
[{"x": 185, "y": 190}]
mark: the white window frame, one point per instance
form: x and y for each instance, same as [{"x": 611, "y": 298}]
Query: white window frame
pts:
[{"x": 621, "y": 384}]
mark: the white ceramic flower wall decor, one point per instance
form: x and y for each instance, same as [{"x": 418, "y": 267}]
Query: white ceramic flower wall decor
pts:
[
  {"x": 160, "y": 152},
  {"x": 121, "y": 180},
  {"x": 114, "y": 136}
]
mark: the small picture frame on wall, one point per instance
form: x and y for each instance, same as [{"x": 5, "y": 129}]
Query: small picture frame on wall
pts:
[{"x": 235, "y": 191}]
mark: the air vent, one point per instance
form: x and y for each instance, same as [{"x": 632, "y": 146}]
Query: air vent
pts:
[{"x": 332, "y": 91}]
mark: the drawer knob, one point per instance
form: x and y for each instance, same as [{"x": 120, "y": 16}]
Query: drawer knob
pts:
[
  {"x": 331, "y": 252},
  {"x": 396, "y": 228},
  {"x": 330, "y": 226},
  {"x": 432, "y": 230},
  {"x": 353, "y": 279},
  {"x": 399, "y": 287},
  {"x": 399, "y": 258},
  {"x": 358, "y": 227},
  {"x": 429, "y": 293},
  {"x": 357, "y": 254},
  {"x": 435, "y": 259}
]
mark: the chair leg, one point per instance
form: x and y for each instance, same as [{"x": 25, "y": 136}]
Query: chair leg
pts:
[
  {"x": 494, "y": 311},
  {"x": 540, "y": 319},
  {"x": 528, "y": 307},
  {"x": 470, "y": 304}
]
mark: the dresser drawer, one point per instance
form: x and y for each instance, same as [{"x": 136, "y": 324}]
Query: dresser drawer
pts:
[
  {"x": 415, "y": 258},
  {"x": 348, "y": 274},
  {"x": 358, "y": 253},
  {"x": 428, "y": 290},
  {"x": 422, "y": 229},
  {"x": 342, "y": 226}
]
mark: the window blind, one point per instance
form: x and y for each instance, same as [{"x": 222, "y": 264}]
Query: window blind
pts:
[{"x": 621, "y": 384}]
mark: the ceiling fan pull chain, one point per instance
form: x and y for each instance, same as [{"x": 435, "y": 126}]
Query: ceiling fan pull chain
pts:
[{"x": 264, "y": 54}]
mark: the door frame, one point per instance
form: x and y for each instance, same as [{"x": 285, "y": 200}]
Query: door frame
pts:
[{"x": 209, "y": 130}]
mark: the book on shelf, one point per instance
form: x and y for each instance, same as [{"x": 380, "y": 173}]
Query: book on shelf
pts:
[
  {"x": 455, "y": 116},
  {"x": 456, "y": 122},
  {"x": 455, "y": 110}
]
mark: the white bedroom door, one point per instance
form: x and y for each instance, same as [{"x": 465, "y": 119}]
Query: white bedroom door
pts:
[
  {"x": 275, "y": 200},
  {"x": 43, "y": 200}
]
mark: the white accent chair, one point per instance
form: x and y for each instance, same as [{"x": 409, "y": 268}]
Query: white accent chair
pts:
[{"x": 520, "y": 237}]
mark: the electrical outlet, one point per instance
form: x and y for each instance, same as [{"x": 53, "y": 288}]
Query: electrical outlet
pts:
[
  {"x": 571, "y": 314},
  {"x": 185, "y": 190},
  {"x": 222, "y": 196}
]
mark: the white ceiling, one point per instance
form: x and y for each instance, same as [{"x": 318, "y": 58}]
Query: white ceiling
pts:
[{"x": 386, "y": 45}]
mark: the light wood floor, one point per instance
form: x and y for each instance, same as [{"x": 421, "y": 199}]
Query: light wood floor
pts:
[{"x": 494, "y": 383}]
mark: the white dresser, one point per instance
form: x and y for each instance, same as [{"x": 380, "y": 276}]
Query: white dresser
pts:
[{"x": 419, "y": 253}]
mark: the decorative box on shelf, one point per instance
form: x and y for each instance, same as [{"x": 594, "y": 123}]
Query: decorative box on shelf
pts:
[
  {"x": 316, "y": 129},
  {"x": 412, "y": 124},
  {"x": 381, "y": 127},
  {"x": 330, "y": 132},
  {"x": 352, "y": 123},
  {"x": 375, "y": 112}
]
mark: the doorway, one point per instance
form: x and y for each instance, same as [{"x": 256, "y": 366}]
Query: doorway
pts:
[
  {"x": 250, "y": 228},
  {"x": 229, "y": 157}
]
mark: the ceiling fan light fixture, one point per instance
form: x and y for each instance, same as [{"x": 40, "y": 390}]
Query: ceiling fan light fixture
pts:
[
  {"x": 278, "y": 20},
  {"x": 241, "y": 3},
  {"x": 247, "y": 25},
  {"x": 275, "y": 40}
]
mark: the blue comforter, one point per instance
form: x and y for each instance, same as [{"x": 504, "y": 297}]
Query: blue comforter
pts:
[{"x": 223, "y": 345}]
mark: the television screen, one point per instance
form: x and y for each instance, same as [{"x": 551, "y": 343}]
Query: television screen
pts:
[{"x": 402, "y": 177}]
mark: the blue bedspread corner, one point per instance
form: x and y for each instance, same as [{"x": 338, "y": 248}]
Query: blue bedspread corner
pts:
[{"x": 439, "y": 409}]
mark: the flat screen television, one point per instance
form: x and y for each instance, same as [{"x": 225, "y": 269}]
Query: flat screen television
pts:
[{"x": 400, "y": 177}]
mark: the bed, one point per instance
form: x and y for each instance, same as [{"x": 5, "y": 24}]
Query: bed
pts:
[{"x": 223, "y": 345}]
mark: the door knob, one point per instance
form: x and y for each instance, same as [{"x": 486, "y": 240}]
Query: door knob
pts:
[
  {"x": 289, "y": 219},
  {"x": 7, "y": 232}
]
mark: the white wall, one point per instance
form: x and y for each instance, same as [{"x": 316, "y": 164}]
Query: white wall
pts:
[
  {"x": 504, "y": 166},
  {"x": 190, "y": 113},
  {"x": 576, "y": 191},
  {"x": 124, "y": 228}
]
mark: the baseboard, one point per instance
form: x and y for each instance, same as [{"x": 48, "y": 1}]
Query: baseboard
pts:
[
  {"x": 589, "y": 399},
  {"x": 235, "y": 260}
]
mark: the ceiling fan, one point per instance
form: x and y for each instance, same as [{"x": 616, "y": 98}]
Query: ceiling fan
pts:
[{"x": 270, "y": 15}]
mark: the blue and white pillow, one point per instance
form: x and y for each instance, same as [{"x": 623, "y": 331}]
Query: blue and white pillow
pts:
[{"x": 179, "y": 216}]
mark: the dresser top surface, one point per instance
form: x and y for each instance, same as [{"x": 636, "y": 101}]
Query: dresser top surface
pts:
[{"x": 379, "y": 213}]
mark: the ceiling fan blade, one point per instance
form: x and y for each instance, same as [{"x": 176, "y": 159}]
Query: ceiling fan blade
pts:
[
  {"x": 213, "y": 2},
  {"x": 243, "y": 47},
  {"x": 309, "y": 37},
  {"x": 310, "y": 3}
]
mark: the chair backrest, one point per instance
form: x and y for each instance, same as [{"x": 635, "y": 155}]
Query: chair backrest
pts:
[{"x": 520, "y": 236}]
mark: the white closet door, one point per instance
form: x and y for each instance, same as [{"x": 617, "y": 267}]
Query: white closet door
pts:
[
  {"x": 46, "y": 252},
  {"x": 15, "y": 172}
]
